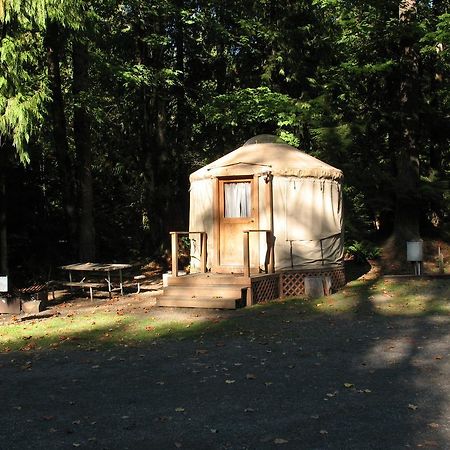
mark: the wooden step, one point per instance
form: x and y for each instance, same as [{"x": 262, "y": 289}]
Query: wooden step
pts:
[
  {"x": 208, "y": 279},
  {"x": 212, "y": 291},
  {"x": 198, "y": 302}
]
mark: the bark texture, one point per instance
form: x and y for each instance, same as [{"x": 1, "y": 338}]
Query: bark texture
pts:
[
  {"x": 60, "y": 142},
  {"x": 82, "y": 137}
]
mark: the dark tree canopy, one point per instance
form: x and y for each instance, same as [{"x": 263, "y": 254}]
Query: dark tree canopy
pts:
[{"x": 107, "y": 106}]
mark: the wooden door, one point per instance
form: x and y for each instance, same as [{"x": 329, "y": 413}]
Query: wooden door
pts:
[{"x": 237, "y": 211}]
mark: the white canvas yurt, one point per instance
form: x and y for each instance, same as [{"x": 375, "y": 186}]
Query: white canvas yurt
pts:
[{"x": 264, "y": 186}]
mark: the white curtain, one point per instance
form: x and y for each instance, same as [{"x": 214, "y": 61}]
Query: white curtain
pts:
[{"x": 237, "y": 199}]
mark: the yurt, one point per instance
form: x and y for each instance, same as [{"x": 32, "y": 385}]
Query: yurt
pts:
[
  {"x": 271, "y": 186},
  {"x": 265, "y": 222}
]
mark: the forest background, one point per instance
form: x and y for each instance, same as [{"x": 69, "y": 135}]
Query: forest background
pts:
[{"x": 106, "y": 107}]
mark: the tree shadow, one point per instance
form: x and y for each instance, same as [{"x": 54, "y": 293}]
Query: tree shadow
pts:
[{"x": 280, "y": 373}]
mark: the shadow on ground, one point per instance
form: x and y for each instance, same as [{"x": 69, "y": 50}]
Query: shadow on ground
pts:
[{"x": 278, "y": 375}]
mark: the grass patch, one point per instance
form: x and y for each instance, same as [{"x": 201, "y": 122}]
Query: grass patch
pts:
[
  {"x": 100, "y": 329},
  {"x": 86, "y": 331}
]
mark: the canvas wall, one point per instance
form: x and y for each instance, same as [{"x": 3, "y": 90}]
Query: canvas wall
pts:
[{"x": 308, "y": 220}]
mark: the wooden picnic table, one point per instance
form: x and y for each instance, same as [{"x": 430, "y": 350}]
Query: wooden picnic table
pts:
[{"x": 87, "y": 268}]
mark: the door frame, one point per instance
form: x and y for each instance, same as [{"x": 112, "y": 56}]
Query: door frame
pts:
[{"x": 218, "y": 205}]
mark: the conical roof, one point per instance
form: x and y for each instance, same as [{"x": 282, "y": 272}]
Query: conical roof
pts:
[{"x": 278, "y": 158}]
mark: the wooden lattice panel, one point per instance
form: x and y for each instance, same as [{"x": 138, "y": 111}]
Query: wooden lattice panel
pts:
[
  {"x": 265, "y": 288},
  {"x": 293, "y": 281},
  {"x": 292, "y": 284}
]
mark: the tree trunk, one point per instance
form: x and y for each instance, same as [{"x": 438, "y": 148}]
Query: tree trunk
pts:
[
  {"x": 82, "y": 138},
  {"x": 61, "y": 145},
  {"x": 156, "y": 161},
  {"x": 406, "y": 225},
  {"x": 3, "y": 226}
]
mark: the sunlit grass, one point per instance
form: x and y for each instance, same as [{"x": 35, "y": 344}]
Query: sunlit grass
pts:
[
  {"x": 388, "y": 298},
  {"x": 382, "y": 297},
  {"x": 84, "y": 331}
]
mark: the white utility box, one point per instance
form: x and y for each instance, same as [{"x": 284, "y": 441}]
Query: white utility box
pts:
[
  {"x": 3, "y": 284},
  {"x": 414, "y": 251}
]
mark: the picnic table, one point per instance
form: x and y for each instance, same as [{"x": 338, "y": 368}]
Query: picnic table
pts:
[{"x": 85, "y": 270}]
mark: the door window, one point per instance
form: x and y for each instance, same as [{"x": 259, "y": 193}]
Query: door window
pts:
[{"x": 237, "y": 199}]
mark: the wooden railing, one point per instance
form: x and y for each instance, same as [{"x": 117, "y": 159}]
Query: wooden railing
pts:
[
  {"x": 174, "y": 239},
  {"x": 269, "y": 262}
]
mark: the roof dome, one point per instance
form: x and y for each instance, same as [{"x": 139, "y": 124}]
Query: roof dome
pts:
[
  {"x": 257, "y": 158},
  {"x": 265, "y": 139}
]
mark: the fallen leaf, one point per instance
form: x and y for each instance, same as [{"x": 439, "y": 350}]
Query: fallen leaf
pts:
[
  {"x": 314, "y": 416},
  {"x": 323, "y": 432},
  {"x": 432, "y": 444},
  {"x": 230, "y": 381},
  {"x": 349, "y": 385},
  {"x": 413, "y": 407},
  {"x": 213, "y": 430},
  {"x": 280, "y": 441},
  {"x": 179, "y": 409}
]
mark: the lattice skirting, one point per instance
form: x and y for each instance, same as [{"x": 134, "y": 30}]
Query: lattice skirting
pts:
[
  {"x": 265, "y": 287},
  {"x": 291, "y": 283}
]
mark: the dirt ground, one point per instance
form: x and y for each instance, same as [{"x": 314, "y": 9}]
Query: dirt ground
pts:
[{"x": 271, "y": 378}]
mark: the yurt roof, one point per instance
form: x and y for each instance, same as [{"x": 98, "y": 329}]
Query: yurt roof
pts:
[{"x": 262, "y": 157}]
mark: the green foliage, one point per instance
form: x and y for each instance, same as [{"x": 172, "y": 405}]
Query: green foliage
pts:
[
  {"x": 37, "y": 13},
  {"x": 23, "y": 85},
  {"x": 23, "y": 90},
  {"x": 173, "y": 85},
  {"x": 363, "y": 250},
  {"x": 258, "y": 108}
]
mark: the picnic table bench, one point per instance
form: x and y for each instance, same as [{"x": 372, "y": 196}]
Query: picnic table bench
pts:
[
  {"x": 95, "y": 269},
  {"x": 89, "y": 285}
]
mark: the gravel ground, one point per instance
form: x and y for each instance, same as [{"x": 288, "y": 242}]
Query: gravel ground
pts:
[{"x": 274, "y": 378}]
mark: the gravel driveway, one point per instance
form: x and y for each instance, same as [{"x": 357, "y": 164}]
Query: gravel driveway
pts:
[{"x": 271, "y": 378}]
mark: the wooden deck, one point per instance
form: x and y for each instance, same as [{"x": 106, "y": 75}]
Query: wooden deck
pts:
[
  {"x": 231, "y": 291},
  {"x": 206, "y": 290}
]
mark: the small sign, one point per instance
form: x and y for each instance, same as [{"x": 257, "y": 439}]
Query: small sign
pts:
[{"x": 3, "y": 284}]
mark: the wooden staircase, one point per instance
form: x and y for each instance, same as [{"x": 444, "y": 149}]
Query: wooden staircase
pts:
[{"x": 205, "y": 290}]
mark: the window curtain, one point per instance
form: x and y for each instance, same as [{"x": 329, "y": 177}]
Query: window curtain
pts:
[{"x": 237, "y": 199}]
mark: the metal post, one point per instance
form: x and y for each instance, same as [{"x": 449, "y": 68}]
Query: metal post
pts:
[
  {"x": 268, "y": 252},
  {"x": 109, "y": 282},
  {"x": 271, "y": 252},
  {"x": 272, "y": 234}
]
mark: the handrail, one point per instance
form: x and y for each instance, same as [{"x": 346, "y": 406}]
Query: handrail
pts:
[
  {"x": 269, "y": 263},
  {"x": 174, "y": 244}
]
